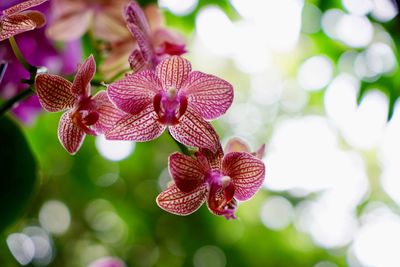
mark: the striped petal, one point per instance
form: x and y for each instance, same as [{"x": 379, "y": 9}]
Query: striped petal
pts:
[
  {"x": 208, "y": 95},
  {"x": 54, "y": 92},
  {"x": 15, "y": 24},
  {"x": 108, "y": 113},
  {"x": 137, "y": 61},
  {"x": 134, "y": 15},
  {"x": 141, "y": 127},
  {"x": 143, "y": 42},
  {"x": 177, "y": 202},
  {"x": 213, "y": 159},
  {"x": 37, "y": 17},
  {"x": 109, "y": 25},
  {"x": 173, "y": 71},
  {"x": 71, "y": 26},
  {"x": 186, "y": 172},
  {"x": 70, "y": 135},
  {"x": 134, "y": 92},
  {"x": 194, "y": 131},
  {"x": 23, "y": 6},
  {"x": 247, "y": 173},
  {"x": 81, "y": 84}
]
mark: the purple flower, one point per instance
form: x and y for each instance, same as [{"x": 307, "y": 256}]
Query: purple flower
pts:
[
  {"x": 16, "y": 19},
  {"x": 84, "y": 114},
  {"x": 155, "y": 45},
  {"x": 107, "y": 262},
  {"x": 219, "y": 179},
  {"x": 40, "y": 52},
  {"x": 172, "y": 96}
]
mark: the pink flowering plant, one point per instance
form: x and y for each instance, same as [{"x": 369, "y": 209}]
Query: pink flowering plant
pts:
[
  {"x": 218, "y": 179},
  {"x": 159, "y": 92},
  {"x": 84, "y": 114},
  {"x": 172, "y": 96}
]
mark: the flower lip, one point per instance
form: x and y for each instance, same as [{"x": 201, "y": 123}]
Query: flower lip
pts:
[
  {"x": 221, "y": 199},
  {"x": 170, "y": 105},
  {"x": 85, "y": 114}
]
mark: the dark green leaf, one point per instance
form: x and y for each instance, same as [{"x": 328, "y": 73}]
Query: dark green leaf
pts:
[{"x": 18, "y": 172}]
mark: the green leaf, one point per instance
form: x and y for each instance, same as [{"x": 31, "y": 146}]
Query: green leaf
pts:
[{"x": 18, "y": 172}]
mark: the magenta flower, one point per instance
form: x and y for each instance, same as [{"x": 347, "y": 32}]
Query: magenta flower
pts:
[
  {"x": 153, "y": 45},
  {"x": 219, "y": 179},
  {"x": 172, "y": 96},
  {"x": 107, "y": 262},
  {"x": 84, "y": 114},
  {"x": 16, "y": 19}
]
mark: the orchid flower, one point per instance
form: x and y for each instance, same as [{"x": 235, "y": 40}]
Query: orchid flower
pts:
[
  {"x": 73, "y": 18},
  {"x": 154, "y": 44},
  {"x": 219, "y": 179},
  {"x": 171, "y": 96},
  {"x": 16, "y": 19},
  {"x": 84, "y": 114},
  {"x": 164, "y": 41}
]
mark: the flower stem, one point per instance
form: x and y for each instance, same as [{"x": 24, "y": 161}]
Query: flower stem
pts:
[
  {"x": 3, "y": 68},
  {"x": 21, "y": 57},
  {"x": 182, "y": 147},
  {"x": 11, "y": 102}
]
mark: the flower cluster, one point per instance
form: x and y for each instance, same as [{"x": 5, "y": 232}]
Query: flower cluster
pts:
[{"x": 161, "y": 92}]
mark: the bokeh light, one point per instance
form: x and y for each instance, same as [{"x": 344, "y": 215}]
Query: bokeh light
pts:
[
  {"x": 315, "y": 73},
  {"x": 114, "y": 150},
  {"x": 21, "y": 247},
  {"x": 54, "y": 216},
  {"x": 209, "y": 256},
  {"x": 378, "y": 239},
  {"x": 179, "y": 7},
  {"x": 276, "y": 213}
]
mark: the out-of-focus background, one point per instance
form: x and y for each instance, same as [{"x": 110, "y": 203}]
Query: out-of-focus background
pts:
[{"x": 317, "y": 81}]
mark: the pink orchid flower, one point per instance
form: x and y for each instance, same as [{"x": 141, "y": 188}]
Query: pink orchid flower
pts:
[
  {"x": 219, "y": 179},
  {"x": 16, "y": 19},
  {"x": 154, "y": 44},
  {"x": 163, "y": 41},
  {"x": 73, "y": 18},
  {"x": 172, "y": 96},
  {"x": 84, "y": 114}
]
